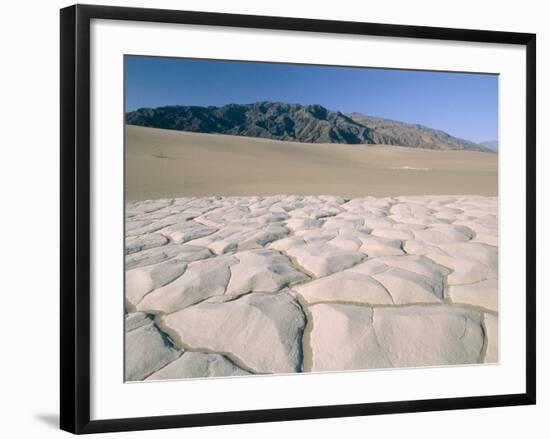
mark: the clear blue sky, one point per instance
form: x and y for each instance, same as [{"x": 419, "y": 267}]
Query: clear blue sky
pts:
[{"x": 462, "y": 104}]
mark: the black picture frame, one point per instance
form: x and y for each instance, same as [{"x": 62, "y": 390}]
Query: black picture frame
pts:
[{"x": 75, "y": 217}]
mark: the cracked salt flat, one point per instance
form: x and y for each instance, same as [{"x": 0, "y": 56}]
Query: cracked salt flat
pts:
[{"x": 227, "y": 286}]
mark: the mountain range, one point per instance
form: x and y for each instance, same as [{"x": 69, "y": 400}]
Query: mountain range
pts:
[
  {"x": 299, "y": 123},
  {"x": 491, "y": 144}
]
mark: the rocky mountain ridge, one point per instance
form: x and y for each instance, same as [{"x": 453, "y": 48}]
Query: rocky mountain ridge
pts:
[{"x": 299, "y": 123}]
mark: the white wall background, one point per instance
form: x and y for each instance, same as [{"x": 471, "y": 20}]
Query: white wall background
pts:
[{"x": 29, "y": 182}]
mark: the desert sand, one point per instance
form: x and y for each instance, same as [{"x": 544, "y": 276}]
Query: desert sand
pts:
[
  {"x": 167, "y": 164},
  {"x": 227, "y": 286},
  {"x": 375, "y": 257}
]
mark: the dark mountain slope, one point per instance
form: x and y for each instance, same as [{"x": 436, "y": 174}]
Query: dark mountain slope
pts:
[
  {"x": 295, "y": 122},
  {"x": 309, "y": 123}
]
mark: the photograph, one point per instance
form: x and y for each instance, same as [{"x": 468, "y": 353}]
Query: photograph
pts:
[{"x": 296, "y": 218}]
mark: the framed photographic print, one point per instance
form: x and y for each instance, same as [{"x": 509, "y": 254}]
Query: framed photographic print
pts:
[{"x": 304, "y": 218}]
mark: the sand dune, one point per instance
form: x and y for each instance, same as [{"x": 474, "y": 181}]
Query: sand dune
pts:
[{"x": 165, "y": 163}]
